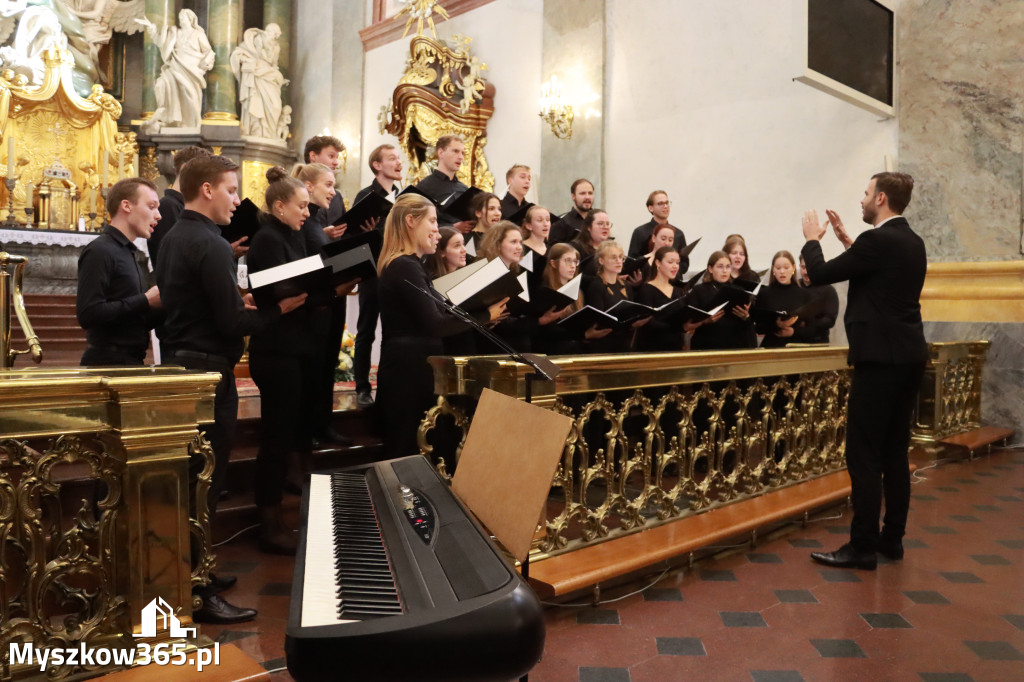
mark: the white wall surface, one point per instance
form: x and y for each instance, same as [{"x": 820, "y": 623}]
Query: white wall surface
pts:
[
  {"x": 701, "y": 103},
  {"x": 507, "y": 37}
]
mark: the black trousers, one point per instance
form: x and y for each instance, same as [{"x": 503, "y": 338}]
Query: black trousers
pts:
[
  {"x": 881, "y": 404},
  {"x": 109, "y": 356},
  {"x": 285, "y": 415},
  {"x": 366, "y": 331},
  {"x": 221, "y": 433},
  {"x": 331, "y": 326}
]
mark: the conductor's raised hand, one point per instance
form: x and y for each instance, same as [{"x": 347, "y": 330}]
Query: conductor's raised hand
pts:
[
  {"x": 813, "y": 229},
  {"x": 837, "y": 227},
  {"x": 291, "y": 303}
]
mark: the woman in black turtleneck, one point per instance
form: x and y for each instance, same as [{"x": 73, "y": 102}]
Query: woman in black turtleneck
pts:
[
  {"x": 329, "y": 325},
  {"x": 727, "y": 329},
  {"x": 783, "y": 293}
]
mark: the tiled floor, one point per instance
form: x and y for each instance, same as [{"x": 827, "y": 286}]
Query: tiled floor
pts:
[{"x": 952, "y": 610}]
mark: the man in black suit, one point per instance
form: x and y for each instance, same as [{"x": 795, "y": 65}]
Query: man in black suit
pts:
[{"x": 886, "y": 269}]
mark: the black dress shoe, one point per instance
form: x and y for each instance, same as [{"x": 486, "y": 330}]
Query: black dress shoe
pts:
[
  {"x": 891, "y": 549},
  {"x": 218, "y": 611},
  {"x": 364, "y": 399},
  {"x": 847, "y": 557},
  {"x": 219, "y": 583},
  {"x": 330, "y": 437}
]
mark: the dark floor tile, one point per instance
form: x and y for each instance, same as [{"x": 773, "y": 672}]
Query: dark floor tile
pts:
[
  {"x": 991, "y": 560},
  {"x": 1009, "y": 498},
  {"x": 838, "y": 530},
  {"x": 742, "y": 619},
  {"x": 995, "y": 651},
  {"x": 276, "y": 590},
  {"x": 663, "y": 594},
  {"x": 1012, "y": 544},
  {"x": 946, "y": 677},
  {"x": 886, "y": 561},
  {"x": 1015, "y": 619},
  {"x": 229, "y": 636},
  {"x": 924, "y": 498},
  {"x": 926, "y": 597},
  {"x": 988, "y": 508},
  {"x": 274, "y": 664},
  {"x": 886, "y": 620},
  {"x": 681, "y": 646},
  {"x": 1003, "y": 467},
  {"x": 237, "y": 567},
  {"x": 960, "y": 577},
  {"x": 604, "y": 675},
  {"x": 938, "y": 530},
  {"x": 796, "y": 596},
  {"x": 839, "y": 576},
  {"x": 717, "y": 575},
  {"x": 947, "y": 488},
  {"x": 965, "y": 518},
  {"x": 590, "y": 616},
  {"x": 838, "y": 648},
  {"x": 805, "y": 543},
  {"x": 914, "y": 543},
  {"x": 967, "y": 481},
  {"x": 776, "y": 676},
  {"x": 985, "y": 474},
  {"x": 756, "y": 558}
]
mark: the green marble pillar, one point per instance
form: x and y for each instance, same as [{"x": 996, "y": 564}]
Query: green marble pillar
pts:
[
  {"x": 161, "y": 13},
  {"x": 280, "y": 12},
  {"x": 223, "y": 26}
]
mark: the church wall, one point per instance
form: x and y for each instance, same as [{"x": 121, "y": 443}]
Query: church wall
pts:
[{"x": 701, "y": 103}]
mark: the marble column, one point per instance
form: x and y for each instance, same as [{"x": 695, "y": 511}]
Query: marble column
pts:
[
  {"x": 223, "y": 26},
  {"x": 161, "y": 13},
  {"x": 280, "y": 12}
]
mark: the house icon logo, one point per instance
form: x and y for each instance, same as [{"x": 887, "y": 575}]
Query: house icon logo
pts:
[{"x": 158, "y": 614}]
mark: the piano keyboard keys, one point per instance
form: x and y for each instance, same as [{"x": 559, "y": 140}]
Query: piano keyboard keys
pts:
[{"x": 365, "y": 582}]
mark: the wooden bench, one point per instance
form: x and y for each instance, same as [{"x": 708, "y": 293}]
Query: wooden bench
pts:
[
  {"x": 976, "y": 439},
  {"x": 604, "y": 561}
]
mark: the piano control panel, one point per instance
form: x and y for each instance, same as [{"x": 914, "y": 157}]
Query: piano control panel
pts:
[{"x": 418, "y": 513}]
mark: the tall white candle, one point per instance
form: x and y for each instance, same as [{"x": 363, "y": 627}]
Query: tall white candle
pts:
[
  {"x": 11, "y": 151},
  {"x": 135, "y": 166},
  {"x": 120, "y": 164},
  {"x": 105, "y": 168}
]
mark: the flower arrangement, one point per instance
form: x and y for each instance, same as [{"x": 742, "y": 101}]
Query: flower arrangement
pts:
[{"x": 345, "y": 357}]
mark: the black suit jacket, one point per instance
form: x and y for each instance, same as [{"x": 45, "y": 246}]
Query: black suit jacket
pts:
[{"x": 886, "y": 268}]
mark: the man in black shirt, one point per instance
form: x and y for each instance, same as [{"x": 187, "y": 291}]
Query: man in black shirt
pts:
[
  {"x": 172, "y": 203},
  {"x": 386, "y": 164},
  {"x": 658, "y": 205},
  {"x": 207, "y": 319},
  {"x": 442, "y": 183},
  {"x": 114, "y": 306},
  {"x": 518, "y": 180},
  {"x": 571, "y": 222}
]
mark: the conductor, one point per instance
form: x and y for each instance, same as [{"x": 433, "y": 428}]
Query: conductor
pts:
[{"x": 886, "y": 269}]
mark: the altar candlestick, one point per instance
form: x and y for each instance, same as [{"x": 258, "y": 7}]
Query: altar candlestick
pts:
[{"x": 105, "y": 165}]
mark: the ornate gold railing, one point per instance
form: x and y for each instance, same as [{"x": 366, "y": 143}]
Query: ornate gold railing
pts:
[
  {"x": 660, "y": 436},
  {"x": 950, "y": 398},
  {"x": 11, "y": 297},
  {"x": 95, "y": 518}
]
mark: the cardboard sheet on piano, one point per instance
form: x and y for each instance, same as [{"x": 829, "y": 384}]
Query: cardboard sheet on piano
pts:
[{"x": 505, "y": 480}]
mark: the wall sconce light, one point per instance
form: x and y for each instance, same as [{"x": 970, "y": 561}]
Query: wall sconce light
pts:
[{"x": 554, "y": 111}]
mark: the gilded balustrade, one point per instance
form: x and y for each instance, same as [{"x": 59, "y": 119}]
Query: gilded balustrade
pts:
[
  {"x": 950, "y": 398},
  {"x": 660, "y": 436},
  {"x": 98, "y": 509}
]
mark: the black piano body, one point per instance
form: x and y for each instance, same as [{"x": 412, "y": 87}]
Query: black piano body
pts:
[{"x": 466, "y": 613}]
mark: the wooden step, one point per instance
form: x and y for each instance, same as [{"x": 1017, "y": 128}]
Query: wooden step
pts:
[
  {"x": 593, "y": 565},
  {"x": 234, "y": 666},
  {"x": 977, "y": 439}
]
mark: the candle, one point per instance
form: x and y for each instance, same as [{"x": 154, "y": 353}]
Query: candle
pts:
[
  {"x": 120, "y": 164},
  {"x": 135, "y": 166},
  {"x": 105, "y": 165},
  {"x": 10, "y": 155}
]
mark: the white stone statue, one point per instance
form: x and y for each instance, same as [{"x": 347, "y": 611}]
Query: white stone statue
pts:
[
  {"x": 38, "y": 30},
  {"x": 187, "y": 56},
  {"x": 100, "y": 18},
  {"x": 284, "y": 123},
  {"x": 254, "y": 63}
]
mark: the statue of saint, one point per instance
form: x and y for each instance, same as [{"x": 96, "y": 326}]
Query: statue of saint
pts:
[
  {"x": 187, "y": 56},
  {"x": 100, "y": 18},
  {"x": 254, "y": 63}
]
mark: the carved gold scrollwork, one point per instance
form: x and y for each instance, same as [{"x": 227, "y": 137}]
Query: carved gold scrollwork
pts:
[
  {"x": 199, "y": 518},
  {"x": 429, "y": 424}
]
